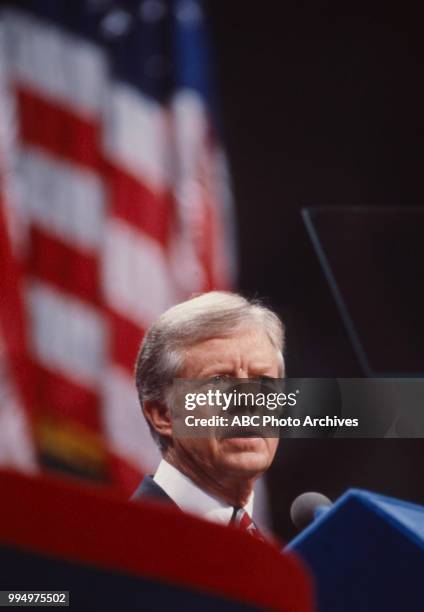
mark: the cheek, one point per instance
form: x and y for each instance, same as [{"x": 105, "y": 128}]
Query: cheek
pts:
[
  {"x": 201, "y": 450},
  {"x": 272, "y": 445}
]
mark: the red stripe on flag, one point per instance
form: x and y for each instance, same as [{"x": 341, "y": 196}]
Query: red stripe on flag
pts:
[
  {"x": 57, "y": 129},
  {"x": 135, "y": 203},
  {"x": 64, "y": 266},
  {"x": 125, "y": 339},
  {"x": 12, "y": 314},
  {"x": 58, "y": 395},
  {"x": 210, "y": 225}
]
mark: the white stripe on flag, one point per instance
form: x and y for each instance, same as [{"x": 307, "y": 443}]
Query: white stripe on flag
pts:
[
  {"x": 202, "y": 180},
  {"x": 126, "y": 428},
  {"x": 137, "y": 136},
  {"x": 55, "y": 63},
  {"x": 68, "y": 336},
  {"x": 16, "y": 447},
  {"x": 191, "y": 126},
  {"x": 136, "y": 277},
  {"x": 186, "y": 269},
  {"x": 63, "y": 199},
  {"x": 10, "y": 180}
]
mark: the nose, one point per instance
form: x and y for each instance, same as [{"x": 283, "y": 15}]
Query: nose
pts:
[
  {"x": 242, "y": 373},
  {"x": 241, "y": 376}
]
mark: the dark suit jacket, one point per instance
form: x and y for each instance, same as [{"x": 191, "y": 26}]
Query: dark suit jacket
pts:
[{"x": 149, "y": 490}]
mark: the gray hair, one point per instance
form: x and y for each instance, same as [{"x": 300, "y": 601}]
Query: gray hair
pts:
[{"x": 209, "y": 315}]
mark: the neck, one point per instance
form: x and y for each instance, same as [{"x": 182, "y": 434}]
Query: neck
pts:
[{"x": 233, "y": 490}]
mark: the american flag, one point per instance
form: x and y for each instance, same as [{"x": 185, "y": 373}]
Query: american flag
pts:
[{"x": 114, "y": 205}]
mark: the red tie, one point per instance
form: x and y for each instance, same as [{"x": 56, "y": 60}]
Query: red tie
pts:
[{"x": 243, "y": 521}]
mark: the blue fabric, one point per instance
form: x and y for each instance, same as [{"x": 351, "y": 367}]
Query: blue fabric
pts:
[
  {"x": 94, "y": 589},
  {"x": 156, "y": 55},
  {"x": 366, "y": 554}
]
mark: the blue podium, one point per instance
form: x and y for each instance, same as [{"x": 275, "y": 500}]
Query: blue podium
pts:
[{"x": 366, "y": 553}]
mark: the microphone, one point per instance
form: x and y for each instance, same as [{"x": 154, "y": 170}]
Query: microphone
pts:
[{"x": 306, "y": 507}]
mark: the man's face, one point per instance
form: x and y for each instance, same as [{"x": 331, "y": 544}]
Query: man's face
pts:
[{"x": 246, "y": 354}]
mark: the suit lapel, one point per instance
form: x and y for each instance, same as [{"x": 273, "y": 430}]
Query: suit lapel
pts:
[{"x": 149, "y": 489}]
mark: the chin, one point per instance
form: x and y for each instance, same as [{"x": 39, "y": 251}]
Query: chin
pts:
[{"x": 246, "y": 455}]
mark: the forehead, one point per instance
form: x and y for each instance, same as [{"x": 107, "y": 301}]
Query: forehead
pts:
[{"x": 251, "y": 344}]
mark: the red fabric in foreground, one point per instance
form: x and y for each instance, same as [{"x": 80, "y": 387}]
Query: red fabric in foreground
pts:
[{"x": 82, "y": 525}]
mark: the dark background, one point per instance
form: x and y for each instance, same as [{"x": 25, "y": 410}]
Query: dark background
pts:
[{"x": 320, "y": 105}]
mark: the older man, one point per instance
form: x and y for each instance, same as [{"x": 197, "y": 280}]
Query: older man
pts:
[{"x": 211, "y": 336}]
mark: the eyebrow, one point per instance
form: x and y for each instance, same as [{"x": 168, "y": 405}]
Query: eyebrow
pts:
[{"x": 220, "y": 368}]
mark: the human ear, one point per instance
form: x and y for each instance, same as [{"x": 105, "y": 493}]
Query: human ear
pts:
[{"x": 159, "y": 417}]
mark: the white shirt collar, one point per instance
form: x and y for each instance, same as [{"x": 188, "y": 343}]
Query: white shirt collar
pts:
[{"x": 190, "y": 498}]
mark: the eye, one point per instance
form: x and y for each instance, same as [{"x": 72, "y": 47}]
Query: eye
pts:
[
  {"x": 218, "y": 378},
  {"x": 265, "y": 379},
  {"x": 268, "y": 381}
]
